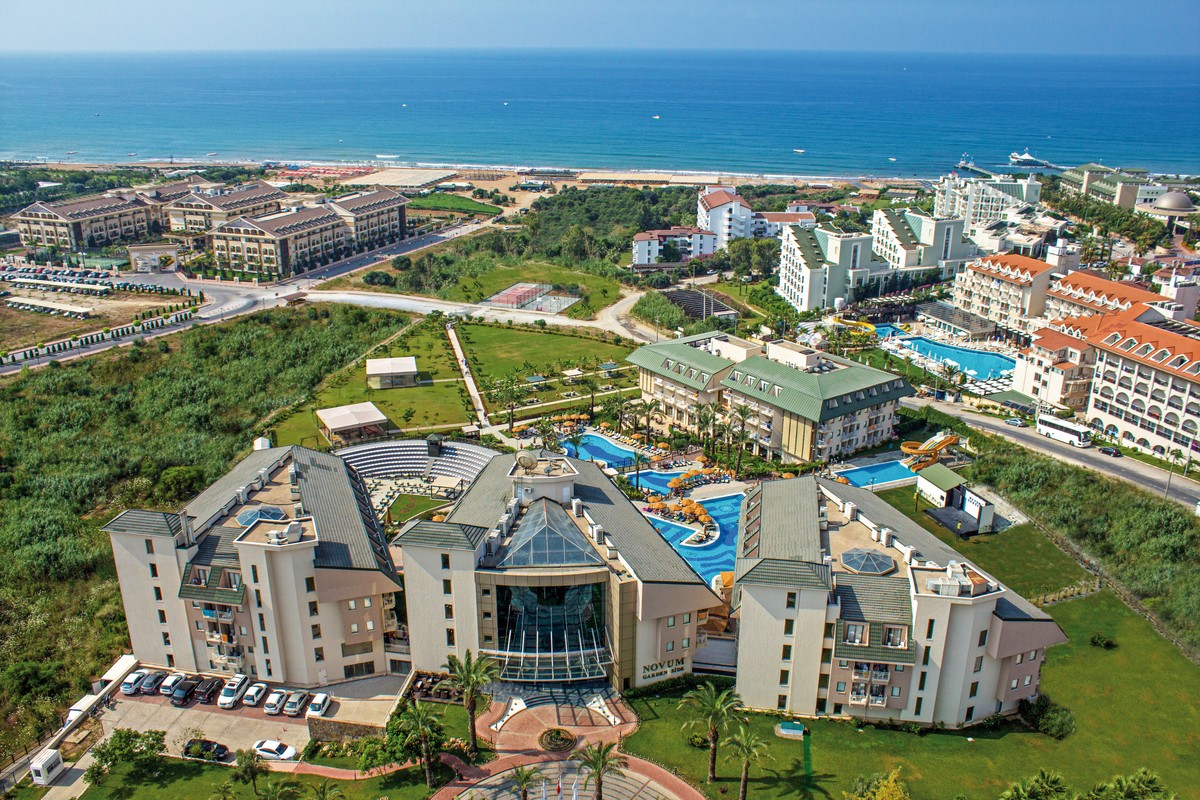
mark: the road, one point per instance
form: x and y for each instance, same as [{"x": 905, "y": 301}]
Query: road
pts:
[{"x": 1145, "y": 476}]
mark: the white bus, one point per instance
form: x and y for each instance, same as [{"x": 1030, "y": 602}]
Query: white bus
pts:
[{"x": 1060, "y": 429}]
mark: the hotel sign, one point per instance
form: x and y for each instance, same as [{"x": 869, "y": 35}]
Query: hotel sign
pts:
[{"x": 663, "y": 669}]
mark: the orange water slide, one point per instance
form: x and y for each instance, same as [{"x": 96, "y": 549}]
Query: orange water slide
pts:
[{"x": 926, "y": 453}]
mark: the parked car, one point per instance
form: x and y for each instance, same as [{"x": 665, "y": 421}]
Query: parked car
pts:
[
  {"x": 233, "y": 690},
  {"x": 1016, "y": 422},
  {"x": 255, "y": 694},
  {"x": 295, "y": 704},
  {"x": 318, "y": 706},
  {"x": 206, "y": 749},
  {"x": 133, "y": 681},
  {"x": 206, "y": 692},
  {"x": 272, "y": 750},
  {"x": 170, "y": 682},
  {"x": 152, "y": 681},
  {"x": 1111, "y": 451},
  {"x": 184, "y": 692},
  {"x": 275, "y": 702}
]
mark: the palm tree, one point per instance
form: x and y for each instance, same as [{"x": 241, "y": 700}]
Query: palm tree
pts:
[
  {"x": 1141, "y": 785},
  {"x": 1043, "y": 786},
  {"x": 951, "y": 374},
  {"x": 471, "y": 676},
  {"x": 589, "y": 385},
  {"x": 524, "y": 779},
  {"x": 420, "y": 727},
  {"x": 651, "y": 412},
  {"x": 621, "y": 409},
  {"x": 600, "y": 760},
  {"x": 1175, "y": 456},
  {"x": 746, "y": 747},
  {"x": 576, "y": 441},
  {"x": 740, "y": 438},
  {"x": 326, "y": 790},
  {"x": 722, "y": 433},
  {"x": 224, "y": 792},
  {"x": 283, "y": 789},
  {"x": 714, "y": 710},
  {"x": 704, "y": 420},
  {"x": 248, "y": 768},
  {"x": 638, "y": 461},
  {"x": 546, "y": 432}
]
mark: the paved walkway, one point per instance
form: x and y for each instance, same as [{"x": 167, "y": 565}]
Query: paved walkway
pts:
[
  {"x": 639, "y": 779},
  {"x": 460, "y": 358}
]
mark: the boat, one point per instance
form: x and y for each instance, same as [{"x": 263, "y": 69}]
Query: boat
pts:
[
  {"x": 212, "y": 154},
  {"x": 799, "y": 151},
  {"x": 72, "y": 152},
  {"x": 386, "y": 155},
  {"x": 656, "y": 116},
  {"x": 891, "y": 159},
  {"x": 130, "y": 155},
  {"x": 1026, "y": 160}
]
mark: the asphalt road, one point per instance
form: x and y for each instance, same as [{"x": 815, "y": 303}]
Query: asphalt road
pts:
[{"x": 1154, "y": 480}]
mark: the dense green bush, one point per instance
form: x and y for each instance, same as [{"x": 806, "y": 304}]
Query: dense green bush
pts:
[
  {"x": 656, "y": 309},
  {"x": 1045, "y": 716}
]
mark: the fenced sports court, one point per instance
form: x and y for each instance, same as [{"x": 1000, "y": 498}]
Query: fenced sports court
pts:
[{"x": 533, "y": 297}]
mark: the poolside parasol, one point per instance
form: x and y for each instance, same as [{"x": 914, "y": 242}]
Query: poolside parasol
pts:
[
  {"x": 605, "y": 425},
  {"x": 702, "y": 459},
  {"x": 664, "y": 446},
  {"x": 439, "y": 517},
  {"x": 787, "y": 475}
]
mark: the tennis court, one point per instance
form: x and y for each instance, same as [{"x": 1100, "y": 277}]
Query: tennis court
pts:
[{"x": 532, "y": 297}]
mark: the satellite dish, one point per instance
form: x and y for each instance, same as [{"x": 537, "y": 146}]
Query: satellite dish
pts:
[{"x": 526, "y": 459}]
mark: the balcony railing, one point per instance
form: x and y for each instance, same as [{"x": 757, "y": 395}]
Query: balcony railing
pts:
[
  {"x": 881, "y": 675},
  {"x": 878, "y": 700},
  {"x": 858, "y": 699},
  {"x": 389, "y": 601}
]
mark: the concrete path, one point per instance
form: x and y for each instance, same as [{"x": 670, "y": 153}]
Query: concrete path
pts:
[{"x": 460, "y": 358}]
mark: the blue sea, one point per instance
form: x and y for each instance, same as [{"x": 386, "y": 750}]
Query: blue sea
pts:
[{"x": 852, "y": 114}]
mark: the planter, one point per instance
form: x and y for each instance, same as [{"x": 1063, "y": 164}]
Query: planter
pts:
[{"x": 557, "y": 740}]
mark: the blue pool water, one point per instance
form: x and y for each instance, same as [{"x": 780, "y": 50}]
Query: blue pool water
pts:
[
  {"x": 654, "y": 481},
  {"x": 714, "y": 557},
  {"x": 875, "y": 474},
  {"x": 599, "y": 448},
  {"x": 978, "y": 364}
]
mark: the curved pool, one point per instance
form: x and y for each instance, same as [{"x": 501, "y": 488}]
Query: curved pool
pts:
[
  {"x": 601, "y": 448},
  {"x": 714, "y": 557},
  {"x": 978, "y": 364}
]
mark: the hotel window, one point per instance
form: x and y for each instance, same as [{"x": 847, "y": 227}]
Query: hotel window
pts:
[
  {"x": 895, "y": 691},
  {"x": 1020, "y": 657},
  {"x": 353, "y": 627},
  {"x": 450, "y": 637},
  {"x": 921, "y": 682},
  {"x": 791, "y": 599},
  {"x": 781, "y": 702},
  {"x": 671, "y": 646},
  {"x": 1028, "y": 680},
  {"x": 254, "y": 573},
  {"x": 447, "y": 587},
  {"x": 166, "y": 639},
  {"x": 789, "y": 627},
  {"x": 687, "y": 642},
  {"x": 158, "y": 594},
  {"x": 670, "y": 622},
  {"x": 266, "y": 649},
  {"x": 974, "y": 689},
  {"x": 449, "y": 611},
  {"x": 351, "y": 605},
  {"x": 262, "y": 623},
  {"x": 855, "y": 633},
  {"x": 787, "y": 652},
  {"x": 784, "y": 677},
  {"x": 893, "y": 636},
  {"x": 312, "y": 608},
  {"x": 841, "y": 687},
  {"x": 171, "y": 661},
  {"x": 1033, "y": 655},
  {"x": 318, "y": 654},
  {"x": 917, "y": 707},
  {"x": 970, "y": 713},
  {"x": 978, "y": 664},
  {"x": 370, "y": 624},
  {"x": 687, "y": 618},
  {"x": 257, "y": 599},
  {"x": 366, "y": 602},
  {"x": 316, "y": 631},
  {"x": 445, "y": 561},
  {"x": 153, "y": 570},
  {"x": 929, "y": 629},
  {"x": 268, "y": 662},
  {"x": 162, "y": 617},
  {"x": 983, "y": 638},
  {"x": 1012, "y": 684},
  {"x": 150, "y": 546},
  {"x": 310, "y": 584},
  {"x": 898, "y": 668}
]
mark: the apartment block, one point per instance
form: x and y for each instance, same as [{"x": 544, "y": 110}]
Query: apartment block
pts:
[
  {"x": 846, "y": 607},
  {"x": 690, "y": 242},
  {"x": 287, "y": 242},
  {"x": 1120, "y": 187},
  {"x": 85, "y": 222},
  {"x": 204, "y": 209},
  {"x": 818, "y": 267},
  {"x": 724, "y": 212},
  {"x": 909, "y": 238},
  {"x": 1006, "y": 289},
  {"x": 1056, "y": 368},
  {"x": 279, "y": 569},
  {"x": 979, "y": 201}
]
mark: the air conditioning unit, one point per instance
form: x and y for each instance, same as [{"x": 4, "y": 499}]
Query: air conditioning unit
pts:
[{"x": 577, "y": 506}]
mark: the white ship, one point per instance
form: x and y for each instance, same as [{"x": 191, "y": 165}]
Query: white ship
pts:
[{"x": 1026, "y": 160}]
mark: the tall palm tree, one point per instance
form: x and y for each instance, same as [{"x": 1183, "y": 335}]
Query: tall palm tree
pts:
[
  {"x": 722, "y": 433},
  {"x": 326, "y": 790},
  {"x": 638, "y": 461},
  {"x": 746, "y": 747},
  {"x": 248, "y": 768},
  {"x": 714, "y": 710},
  {"x": 224, "y": 792},
  {"x": 1043, "y": 786},
  {"x": 621, "y": 409},
  {"x": 589, "y": 385},
  {"x": 420, "y": 727},
  {"x": 651, "y": 412},
  {"x": 740, "y": 438},
  {"x": 472, "y": 675},
  {"x": 704, "y": 420},
  {"x": 576, "y": 442},
  {"x": 1175, "y": 456},
  {"x": 601, "y": 760},
  {"x": 524, "y": 779},
  {"x": 282, "y": 789},
  {"x": 1141, "y": 785}
]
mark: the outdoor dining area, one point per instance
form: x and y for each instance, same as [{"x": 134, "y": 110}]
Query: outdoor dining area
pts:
[{"x": 428, "y": 686}]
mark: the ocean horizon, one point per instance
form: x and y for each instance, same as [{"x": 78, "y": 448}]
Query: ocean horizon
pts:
[{"x": 853, "y": 114}]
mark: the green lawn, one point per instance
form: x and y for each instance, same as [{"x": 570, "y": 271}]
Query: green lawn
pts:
[
  {"x": 1134, "y": 707},
  {"x": 596, "y": 292},
  {"x": 1020, "y": 556},
  {"x": 407, "y": 506},
  {"x": 496, "y": 351},
  {"x": 443, "y": 201},
  {"x": 189, "y": 780}
]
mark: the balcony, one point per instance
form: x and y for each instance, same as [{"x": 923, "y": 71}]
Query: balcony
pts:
[
  {"x": 389, "y": 601},
  {"x": 878, "y": 700},
  {"x": 231, "y": 660},
  {"x": 216, "y": 637},
  {"x": 862, "y": 672},
  {"x": 881, "y": 675},
  {"x": 858, "y": 699},
  {"x": 398, "y": 647}
]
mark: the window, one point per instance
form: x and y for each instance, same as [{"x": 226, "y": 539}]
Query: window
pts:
[
  {"x": 257, "y": 598},
  {"x": 316, "y": 631},
  {"x": 893, "y": 636},
  {"x": 978, "y": 664},
  {"x": 791, "y": 599},
  {"x": 929, "y": 629},
  {"x": 153, "y": 570},
  {"x": 670, "y": 622},
  {"x": 856, "y": 633},
  {"x": 366, "y": 602},
  {"x": 784, "y": 677},
  {"x": 312, "y": 608},
  {"x": 781, "y": 702},
  {"x": 262, "y": 623},
  {"x": 449, "y": 610},
  {"x": 787, "y": 652},
  {"x": 1020, "y": 657},
  {"x": 921, "y": 682},
  {"x": 170, "y": 660},
  {"x": 917, "y": 707},
  {"x": 970, "y": 713},
  {"x": 370, "y": 624},
  {"x": 487, "y": 615},
  {"x": 359, "y": 670},
  {"x": 318, "y": 654},
  {"x": 898, "y": 668},
  {"x": 150, "y": 546},
  {"x": 687, "y": 642},
  {"x": 353, "y": 627},
  {"x": 1033, "y": 655},
  {"x": 486, "y": 592},
  {"x": 157, "y": 594},
  {"x": 266, "y": 649},
  {"x": 1012, "y": 684},
  {"x": 841, "y": 687},
  {"x": 671, "y": 646},
  {"x": 362, "y": 648},
  {"x": 162, "y": 617},
  {"x": 166, "y": 639},
  {"x": 446, "y": 587},
  {"x": 450, "y": 637},
  {"x": 789, "y": 627},
  {"x": 310, "y": 584},
  {"x": 445, "y": 561},
  {"x": 982, "y": 638},
  {"x": 351, "y": 605},
  {"x": 843, "y": 663},
  {"x": 268, "y": 664},
  {"x": 687, "y": 618},
  {"x": 974, "y": 689},
  {"x": 895, "y": 691},
  {"x": 254, "y": 573},
  {"x": 1028, "y": 680}
]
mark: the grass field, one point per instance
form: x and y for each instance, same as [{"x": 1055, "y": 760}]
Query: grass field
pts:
[
  {"x": 442, "y": 201},
  {"x": 407, "y": 506},
  {"x": 1133, "y": 706},
  {"x": 1019, "y": 556},
  {"x": 20, "y": 329},
  {"x": 498, "y": 351},
  {"x": 596, "y": 292}
]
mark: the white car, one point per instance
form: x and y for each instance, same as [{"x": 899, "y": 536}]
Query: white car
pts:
[
  {"x": 133, "y": 681},
  {"x": 271, "y": 750},
  {"x": 233, "y": 690},
  {"x": 318, "y": 706},
  {"x": 255, "y": 694},
  {"x": 275, "y": 701},
  {"x": 170, "y": 682}
]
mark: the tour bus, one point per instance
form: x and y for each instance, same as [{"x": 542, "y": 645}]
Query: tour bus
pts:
[{"x": 1060, "y": 429}]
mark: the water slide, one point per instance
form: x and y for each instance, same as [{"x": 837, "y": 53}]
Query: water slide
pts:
[
  {"x": 866, "y": 327},
  {"x": 926, "y": 453}
]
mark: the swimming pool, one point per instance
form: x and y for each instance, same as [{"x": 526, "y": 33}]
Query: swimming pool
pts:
[
  {"x": 652, "y": 480},
  {"x": 875, "y": 474},
  {"x": 600, "y": 448},
  {"x": 979, "y": 364},
  {"x": 717, "y": 556}
]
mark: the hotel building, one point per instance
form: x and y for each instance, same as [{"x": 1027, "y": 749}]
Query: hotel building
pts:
[
  {"x": 1005, "y": 289},
  {"x": 1056, "y": 368},
  {"x": 286, "y": 242},
  {"x": 845, "y": 606},
  {"x": 770, "y": 224},
  {"x": 979, "y": 201},
  {"x": 1125, "y": 188},
  {"x": 691, "y": 242},
  {"x": 1082, "y": 293},
  {"x": 800, "y": 404},
  {"x": 279, "y": 570},
  {"x": 724, "y": 212},
  {"x": 909, "y": 238},
  {"x": 85, "y": 222},
  {"x": 372, "y": 218},
  {"x": 200, "y": 211}
]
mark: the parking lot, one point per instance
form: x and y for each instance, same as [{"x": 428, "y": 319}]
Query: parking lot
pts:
[{"x": 237, "y": 729}]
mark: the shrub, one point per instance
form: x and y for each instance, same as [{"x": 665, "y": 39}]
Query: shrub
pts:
[
  {"x": 1102, "y": 641},
  {"x": 377, "y": 278},
  {"x": 1046, "y": 716},
  {"x": 697, "y": 740}
]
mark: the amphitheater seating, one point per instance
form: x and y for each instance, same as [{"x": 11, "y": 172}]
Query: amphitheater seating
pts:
[{"x": 409, "y": 457}]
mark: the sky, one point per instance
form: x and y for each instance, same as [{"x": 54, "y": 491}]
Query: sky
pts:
[{"x": 1115, "y": 27}]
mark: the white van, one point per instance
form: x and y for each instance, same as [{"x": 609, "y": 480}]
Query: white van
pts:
[{"x": 46, "y": 767}]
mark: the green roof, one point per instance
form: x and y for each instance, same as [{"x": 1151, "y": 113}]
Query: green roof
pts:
[
  {"x": 899, "y": 225},
  {"x": 942, "y": 477},
  {"x": 809, "y": 246},
  {"x": 678, "y": 360},
  {"x": 819, "y": 395}
]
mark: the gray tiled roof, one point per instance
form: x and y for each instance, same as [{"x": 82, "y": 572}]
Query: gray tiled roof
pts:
[
  {"x": 209, "y": 502},
  {"x": 874, "y": 598},
  {"x": 216, "y": 547},
  {"x": 145, "y": 523},
  {"x": 779, "y": 536},
  {"x": 448, "y": 535},
  {"x": 874, "y": 649}
]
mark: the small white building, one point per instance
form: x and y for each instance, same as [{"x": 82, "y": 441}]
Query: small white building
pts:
[
  {"x": 691, "y": 242},
  {"x": 391, "y": 373},
  {"x": 724, "y": 212},
  {"x": 353, "y": 422}
]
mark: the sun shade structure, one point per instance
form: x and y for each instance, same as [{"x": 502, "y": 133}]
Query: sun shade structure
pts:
[
  {"x": 253, "y": 515},
  {"x": 865, "y": 561},
  {"x": 546, "y": 537}
]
